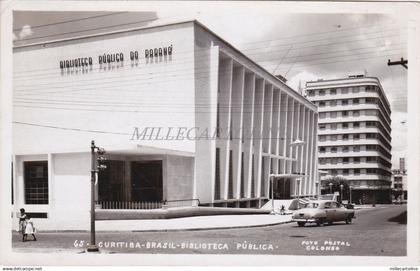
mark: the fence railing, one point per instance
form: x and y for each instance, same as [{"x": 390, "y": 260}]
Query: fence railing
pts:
[{"x": 129, "y": 205}]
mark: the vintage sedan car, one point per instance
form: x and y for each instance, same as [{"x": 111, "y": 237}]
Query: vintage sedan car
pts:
[{"x": 321, "y": 212}]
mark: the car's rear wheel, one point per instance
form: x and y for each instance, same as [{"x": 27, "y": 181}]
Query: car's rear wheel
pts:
[
  {"x": 301, "y": 224},
  {"x": 348, "y": 220},
  {"x": 321, "y": 222}
]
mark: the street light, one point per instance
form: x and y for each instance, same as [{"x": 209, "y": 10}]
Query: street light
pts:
[
  {"x": 350, "y": 193},
  {"x": 330, "y": 184},
  {"x": 341, "y": 192}
]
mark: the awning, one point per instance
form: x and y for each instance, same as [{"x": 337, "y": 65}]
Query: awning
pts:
[
  {"x": 287, "y": 176},
  {"x": 146, "y": 150}
]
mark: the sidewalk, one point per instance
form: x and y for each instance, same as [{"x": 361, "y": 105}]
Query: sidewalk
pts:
[{"x": 193, "y": 223}]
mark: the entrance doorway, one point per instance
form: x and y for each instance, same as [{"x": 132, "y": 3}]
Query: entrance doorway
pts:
[
  {"x": 111, "y": 181},
  {"x": 281, "y": 188},
  {"x": 146, "y": 181}
]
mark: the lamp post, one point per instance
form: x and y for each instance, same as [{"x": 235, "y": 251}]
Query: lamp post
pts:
[
  {"x": 350, "y": 193},
  {"x": 92, "y": 245},
  {"x": 341, "y": 192},
  {"x": 330, "y": 184}
]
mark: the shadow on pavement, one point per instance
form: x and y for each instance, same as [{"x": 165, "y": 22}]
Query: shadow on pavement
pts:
[{"x": 400, "y": 219}]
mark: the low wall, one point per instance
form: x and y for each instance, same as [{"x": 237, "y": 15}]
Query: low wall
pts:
[{"x": 173, "y": 213}]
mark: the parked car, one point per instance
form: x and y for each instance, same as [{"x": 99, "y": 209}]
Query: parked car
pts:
[{"x": 321, "y": 212}]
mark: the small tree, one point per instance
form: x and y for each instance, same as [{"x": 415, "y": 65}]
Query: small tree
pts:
[{"x": 336, "y": 181}]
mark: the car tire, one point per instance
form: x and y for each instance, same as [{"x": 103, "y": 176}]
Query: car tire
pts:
[
  {"x": 320, "y": 222},
  {"x": 301, "y": 224},
  {"x": 348, "y": 220}
]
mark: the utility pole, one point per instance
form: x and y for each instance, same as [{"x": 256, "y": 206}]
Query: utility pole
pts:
[
  {"x": 401, "y": 62},
  {"x": 96, "y": 159}
]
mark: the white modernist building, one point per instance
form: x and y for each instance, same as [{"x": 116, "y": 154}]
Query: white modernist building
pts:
[
  {"x": 185, "y": 119},
  {"x": 354, "y": 136}
]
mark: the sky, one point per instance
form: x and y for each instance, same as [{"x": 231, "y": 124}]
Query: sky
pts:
[{"x": 300, "y": 47}]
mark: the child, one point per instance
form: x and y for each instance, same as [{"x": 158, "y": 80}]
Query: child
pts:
[
  {"x": 22, "y": 221},
  {"x": 29, "y": 229}
]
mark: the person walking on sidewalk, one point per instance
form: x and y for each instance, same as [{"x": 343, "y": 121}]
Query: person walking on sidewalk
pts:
[{"x": 29, "y": 229}]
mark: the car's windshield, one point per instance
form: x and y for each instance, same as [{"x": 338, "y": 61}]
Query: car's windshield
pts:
[{"x": 312, "y": 205}]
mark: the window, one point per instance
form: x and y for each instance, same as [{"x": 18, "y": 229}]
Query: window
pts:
[
  {"x": 333, "y": 161},
  {"x": 333, "y": 149},
  {"x": 311, "y": 92},
  {"x": 321, "y": 92},
  {"x": 344, "y": 90},
  {"x": 355, "y": 90},
  {"x": 344, "y": 102},
  {"x": 370, "y": 135},
  {"x": 356, "y": 149},
  {"x": 36, "y": 182},
  {"x": 345, "y": 160},
  {"x": 334, "y": 172},
  {"x": 355, "y": 101},
  {"x": 370, "y": 124},
  {"x": 345, "y": 137},
  {"x": 322, "y": 115},
  {"x": 356, "y": 159},
  {"x": 370, "y": 100},
  {"x": 345, "y": 125},
  {"x": 333, "y": 126},
  {"x": 333, "y": 137},
  {"x": 356, "y": 125},
  {"x": 322, "y": 149},
  {"x": 333, "y": 91},
  {"x": 356, "y": 136},
  {"x": 356, "y": 113},
  {"x": 345, "y": 172},
  {"x": 322, "y": 138},
  {"x": 344, "y": 113},
  {"x": 345, "y": 149},
  {"x": 333, "y": 114},
  {"x": 333, "y": 103},
  {"x": 356, "y": 171},
  {"x": 322, "y": 126},
  {"x": 321, "y": 104}
]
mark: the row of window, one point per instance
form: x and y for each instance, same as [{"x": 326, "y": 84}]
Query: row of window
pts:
[
  {"x": 355, "y": 160},
  {"x": 353, "y": 101},
  {"x": 358, "y": 171},
  {"x": 346, "y": 90},
  {"x": 342, "y": 90},
  {"x": 356, "y": 148}
]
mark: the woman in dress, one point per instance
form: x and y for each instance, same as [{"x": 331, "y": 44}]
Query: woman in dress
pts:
[{"x": 29, "y": 229}]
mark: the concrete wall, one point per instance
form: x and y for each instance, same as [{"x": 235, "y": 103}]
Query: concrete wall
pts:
[
  {"x": 69, "y": 192},
  {"x": 179, "y": 178},
  {"x": 63, "y": 112}
]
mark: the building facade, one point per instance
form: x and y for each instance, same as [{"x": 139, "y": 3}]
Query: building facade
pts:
[
  {"x": 399, "y": 183},
  {"x": 354, "y": 136},
  {"x": 185, "y": 119}
]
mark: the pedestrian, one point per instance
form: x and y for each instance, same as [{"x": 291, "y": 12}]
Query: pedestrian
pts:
[
  {"x": 282, "y": 210},
  {"x": 29, "y": 229},
  {"x": 22, "y": 221}
]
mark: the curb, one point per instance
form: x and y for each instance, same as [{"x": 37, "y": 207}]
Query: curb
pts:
[
  {"x": 215, "y": 228},
  {"x": 171, "y": 230}
]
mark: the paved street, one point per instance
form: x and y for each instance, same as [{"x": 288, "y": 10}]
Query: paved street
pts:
[{"x": 370, "y": 234}]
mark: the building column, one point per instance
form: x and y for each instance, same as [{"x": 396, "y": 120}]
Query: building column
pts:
[
  {"x": 224, "y": 101},
  {"x": 248, "y": 125},
  {"x": 237, "y": 108},
  {"x": 267, "y": 127},
  {"x": 258, "y": 126}
]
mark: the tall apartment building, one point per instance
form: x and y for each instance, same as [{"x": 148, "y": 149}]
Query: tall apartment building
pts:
[{"x": 354, "y": 135}]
